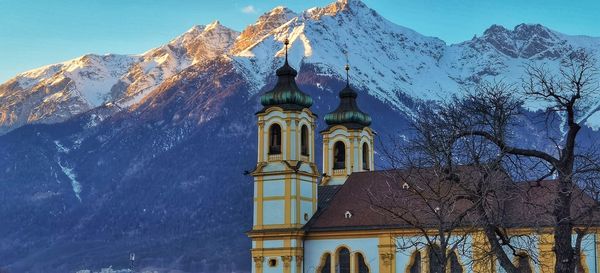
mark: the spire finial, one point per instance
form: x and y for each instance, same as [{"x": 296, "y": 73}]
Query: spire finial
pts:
[
  {"x": 347, "y": 67},
  {"x": 286, "y": 42}
]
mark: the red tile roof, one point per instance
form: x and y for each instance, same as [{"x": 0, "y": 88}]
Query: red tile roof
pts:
[{"x": 380, "y": 199}]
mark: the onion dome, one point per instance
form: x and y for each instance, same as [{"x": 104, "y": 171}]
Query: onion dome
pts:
[
  {"x": 348, "y": 114},
  {"x": 286, "y": 93}
]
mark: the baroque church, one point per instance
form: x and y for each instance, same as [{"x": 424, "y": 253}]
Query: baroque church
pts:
[{"x": 313, "y": 221}]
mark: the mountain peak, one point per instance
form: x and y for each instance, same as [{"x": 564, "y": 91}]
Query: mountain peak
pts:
[
  {"x": 351, "y": 3},
  {"x": 525, "y": 40},
  {"x": 193, "y": 30},
  {"x": 278, "y": 10},
  {"x": 352, "y": 7},
  {"x": 525, "y": 31},
  {"x": 213, "y": 25},
  {"x": 495, "y": 30},
  {"x": 264, "y": 25}
]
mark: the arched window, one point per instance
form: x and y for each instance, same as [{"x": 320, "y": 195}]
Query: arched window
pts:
[
  {"x": 435, "y": 264},
  {"x": 523, "y": 265},
  {"x": 339, "y": 156},
  {"x": 455, "y": 266},
  {"x": 275, "y": 139},
  {"x": 361, "y": 265},
  {"x": 304, "y": 140},
  {"x": 325, "y": 266},
  {"x": 343, "y": 262},
  {"x": 365, "y": 156},
  {"x": 415, "y": 265}
]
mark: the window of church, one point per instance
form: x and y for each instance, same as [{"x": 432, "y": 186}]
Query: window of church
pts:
[
  {"x": 365, "y": 156},
  {"x": 275, "y": 139},
  {"x": 339, "y": 155},
  {"x": 343, "y": 264},
  {"x": 362, "y": 265},
  {"x": 325, "y": 264},
  {"x": 304, "y": 140},
  {"x": 523, "y": 263},
  {"x": 455, "y": 266},
  {"x": 435, "y": 265},
  {"x": 415, "y": 265}
]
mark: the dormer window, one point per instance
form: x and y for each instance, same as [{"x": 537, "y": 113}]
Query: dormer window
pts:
[
  {"x": 339, "y": 156},
  {"x": 304, "y": 140},
  {"x": 348, "y": 214},
  {"x": 275, "y": 139}
]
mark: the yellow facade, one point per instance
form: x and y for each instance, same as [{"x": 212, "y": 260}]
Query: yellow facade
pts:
[
  {"x": 547, "y": 257},
  {"x": 354, "y": 140},
  {"x": 285, "y": 187},
  {"x": 387, "y": 253},
  {"x": 482, "y": 261}
]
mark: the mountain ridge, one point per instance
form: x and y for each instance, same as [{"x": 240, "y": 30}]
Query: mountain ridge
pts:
[{"x": 411, "y": 61}]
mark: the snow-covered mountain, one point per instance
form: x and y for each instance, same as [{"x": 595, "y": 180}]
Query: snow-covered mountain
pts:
[
  {"x": 57, "y": 92},
  {"x": 146, "y": 153},
  {"x": 388, "y": 60}
]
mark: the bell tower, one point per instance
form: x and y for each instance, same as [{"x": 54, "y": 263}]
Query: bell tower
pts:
[
  {"x": 285, "y": 177},
  {"x": 348, "y": 140}
]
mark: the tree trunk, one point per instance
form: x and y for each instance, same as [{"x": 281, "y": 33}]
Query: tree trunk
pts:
[
  {"x": 563, "y": 231},
  {"x": 489, "y": 230}
]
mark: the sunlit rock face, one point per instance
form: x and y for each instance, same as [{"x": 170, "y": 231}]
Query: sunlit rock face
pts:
[
  {"x": 57, "y": 92},
  {"x": 105, "y": 155}
]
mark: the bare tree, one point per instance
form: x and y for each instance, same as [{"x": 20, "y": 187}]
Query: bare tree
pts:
[
  {"x": 450, "y": 188},
  {"x": 491, "y": 114},
  {"x": 425, "y": 200},
  {"x": 444, "y": 201}
]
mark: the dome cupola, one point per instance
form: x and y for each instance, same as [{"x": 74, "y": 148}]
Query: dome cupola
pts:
[
  {"x": 348, "y": 113},
  {"x": 286, "y": 93}
]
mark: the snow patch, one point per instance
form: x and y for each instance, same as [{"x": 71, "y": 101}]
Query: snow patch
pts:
[
  {"x": 61, "y": 148},
  {"x": 75, "y": 185},
  {"x": 593, "y": 121}
]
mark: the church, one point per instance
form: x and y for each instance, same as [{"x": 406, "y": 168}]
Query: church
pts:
[{"x": 311, "y": 220}]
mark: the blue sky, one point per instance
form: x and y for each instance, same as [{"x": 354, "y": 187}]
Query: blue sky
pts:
[{"x": 39, "y": 32}]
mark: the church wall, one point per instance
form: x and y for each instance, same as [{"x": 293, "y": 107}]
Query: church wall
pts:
[
  {"x": 590, "y": 252},
  {"x": 273, "y": 188},
  {"x": 273, "y": 269},
  {"x": 597, "y": 253},
  {"x": 314, "y": 249},
  {"x": 272, "y": 243},
  {"x": 529, "y": 243},
  {"x": 405, "y": 252},
  {"x": 306, "y": 189},
  {"x": 275, "y": 212},
  {"x": 274, "y": 167},
  {"x": 306, "y": 208}
]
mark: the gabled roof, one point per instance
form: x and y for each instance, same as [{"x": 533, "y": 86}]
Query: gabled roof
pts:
[
  {"x": 326, "y": 193},
  {"x": 524, "y": 204}
]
